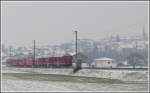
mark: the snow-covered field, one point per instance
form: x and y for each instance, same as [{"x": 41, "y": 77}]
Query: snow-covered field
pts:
[{"x": 10, "y": 83}]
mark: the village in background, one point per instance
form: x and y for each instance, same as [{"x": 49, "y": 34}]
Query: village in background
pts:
[{"x": 115, "y": 51}]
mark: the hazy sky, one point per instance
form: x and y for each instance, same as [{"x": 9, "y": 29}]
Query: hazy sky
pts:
[{"x": 55, "y": 22}]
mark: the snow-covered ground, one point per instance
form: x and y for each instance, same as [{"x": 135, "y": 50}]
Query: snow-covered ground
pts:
[
  {"x": 13, "y": 84},
  {"x": 124, "y": 75},
  {"x": 10, "y": 83}
]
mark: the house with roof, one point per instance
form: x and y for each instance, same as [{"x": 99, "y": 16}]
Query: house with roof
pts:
[{"x": 104, "y": 62}]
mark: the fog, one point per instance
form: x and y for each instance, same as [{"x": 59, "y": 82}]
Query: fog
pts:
[{"x": 55, "y": 22}]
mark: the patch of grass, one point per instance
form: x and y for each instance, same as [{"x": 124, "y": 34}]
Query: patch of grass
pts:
[{"x": 61, "y": 78}]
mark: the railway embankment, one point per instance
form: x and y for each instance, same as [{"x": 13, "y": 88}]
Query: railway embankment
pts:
[{"x": 124, "y": 75}]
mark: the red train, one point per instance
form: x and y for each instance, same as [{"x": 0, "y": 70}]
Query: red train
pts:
[{"x": 65, "y": 61}]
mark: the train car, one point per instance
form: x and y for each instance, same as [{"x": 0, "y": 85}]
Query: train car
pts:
[
  {"x": 29, "y": 62},
  {"x": 54, "y": 62},
  {"x": 65, "y": 61},
  {"x": 41, "y": 62}
]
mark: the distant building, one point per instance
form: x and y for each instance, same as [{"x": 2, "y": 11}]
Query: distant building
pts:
[{"x": 104, "y": 62}]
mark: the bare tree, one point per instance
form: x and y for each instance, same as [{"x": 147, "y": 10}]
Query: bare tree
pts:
[{"x": 134, "y": 59}]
